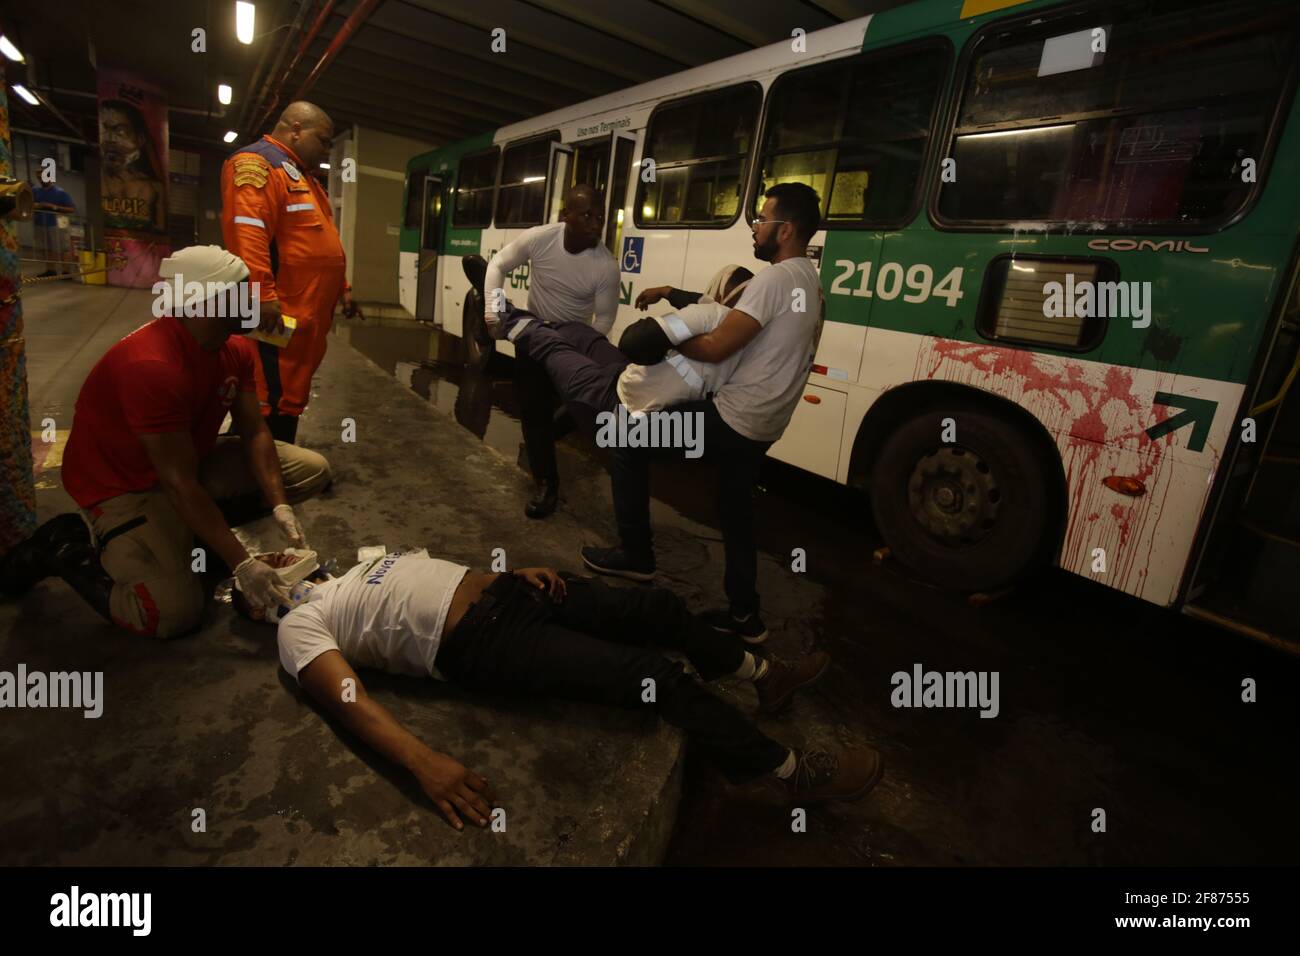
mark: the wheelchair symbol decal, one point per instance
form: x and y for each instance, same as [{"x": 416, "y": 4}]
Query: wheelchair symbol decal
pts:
[{"x": 633, "y": 251}]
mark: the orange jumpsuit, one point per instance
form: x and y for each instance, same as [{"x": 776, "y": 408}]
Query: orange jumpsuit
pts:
[{"x": 276, "y": 217}]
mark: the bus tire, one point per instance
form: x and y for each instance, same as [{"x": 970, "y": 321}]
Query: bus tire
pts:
[
  {"x": 476, "y": 345},
  {"x": 973, "y": 515}
]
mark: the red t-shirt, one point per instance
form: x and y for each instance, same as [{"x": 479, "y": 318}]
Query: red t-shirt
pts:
[{"x": 156, "y": 380}]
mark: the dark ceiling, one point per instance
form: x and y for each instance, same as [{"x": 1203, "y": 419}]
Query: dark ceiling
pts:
[{"x": 422, "y": 68}]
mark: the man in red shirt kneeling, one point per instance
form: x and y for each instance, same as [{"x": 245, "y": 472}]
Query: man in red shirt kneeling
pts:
[{"x": 151, "y": 475}]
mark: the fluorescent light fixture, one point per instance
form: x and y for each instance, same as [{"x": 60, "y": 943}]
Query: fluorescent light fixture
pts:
[
  {"x": 231, "y": 136},
  {"x": 223, "y": 94},
  {"x": 324, "y": 165},
  {"x": 245, "y": 15},
  {"x": 1071, "y": 51},
  {"x": 26, "y": 94},
  {"x": 9, "y": 50},
  {"x": 533, "y": 179}
]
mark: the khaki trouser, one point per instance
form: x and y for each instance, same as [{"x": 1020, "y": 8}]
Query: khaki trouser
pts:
[{"x": 147, "y": 548}]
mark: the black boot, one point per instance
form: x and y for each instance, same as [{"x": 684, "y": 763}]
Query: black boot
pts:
[
  {"x": 89, "y": 579},
  {"x": 544, "y": 502},
  {"x": 475, "y": 271},
  {"x": 38, "y": 557}
]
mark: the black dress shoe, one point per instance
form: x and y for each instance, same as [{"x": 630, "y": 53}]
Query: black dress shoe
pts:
[{"x": 544, "y": 502}]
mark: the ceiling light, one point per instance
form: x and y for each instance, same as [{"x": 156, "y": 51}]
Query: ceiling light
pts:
[
  {"x": 9, "y": 50},
  {"x": 223, "y": 94},
  {"x": 26, "y": 94},
  {"x": 245, "y": 14},
  {"x": 231, "y": 136}
]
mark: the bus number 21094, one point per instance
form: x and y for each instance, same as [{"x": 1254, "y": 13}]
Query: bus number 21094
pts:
[{"x": 891, "y": 279}]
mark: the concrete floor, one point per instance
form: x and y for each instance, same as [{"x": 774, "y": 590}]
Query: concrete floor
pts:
[
  {"x": 1106, "y": 702},
  {"x": 210, "y": 721}
]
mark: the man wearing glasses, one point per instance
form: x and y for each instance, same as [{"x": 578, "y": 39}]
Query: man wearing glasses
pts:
[
  {"x": 571, "y": 277},
  {"x": 776, "y": 324}
]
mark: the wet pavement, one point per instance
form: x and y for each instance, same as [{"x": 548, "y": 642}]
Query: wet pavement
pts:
[{"x": 1105, "y": 702}]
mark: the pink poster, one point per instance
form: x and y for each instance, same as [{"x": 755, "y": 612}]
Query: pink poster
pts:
[{"x": 133, "y": 177}]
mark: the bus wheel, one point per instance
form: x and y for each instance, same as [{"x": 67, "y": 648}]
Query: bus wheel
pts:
[
  {"x": 972, "y": 515},
  {"x": 478, "y": 346}
]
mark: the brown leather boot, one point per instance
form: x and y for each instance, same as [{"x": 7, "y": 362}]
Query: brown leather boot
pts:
[
  {"x": 776, "y": 688},
  {"x": 821, "y": 776}
]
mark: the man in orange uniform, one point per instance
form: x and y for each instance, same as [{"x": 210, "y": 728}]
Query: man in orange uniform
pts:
[{"x": 276, "y": 217}]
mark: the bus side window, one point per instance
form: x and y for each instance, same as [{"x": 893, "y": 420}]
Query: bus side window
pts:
[
  {"x": 521, "y": 198},
  {"x": 856, "y": 131},
  {"x": 475, "y": 185},
  {"x": 1155, "y": 129},
  {"x": 699, "y": 146}
]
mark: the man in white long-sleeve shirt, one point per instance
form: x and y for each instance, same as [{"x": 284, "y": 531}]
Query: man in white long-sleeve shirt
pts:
[{"x": 571, "y": 278}]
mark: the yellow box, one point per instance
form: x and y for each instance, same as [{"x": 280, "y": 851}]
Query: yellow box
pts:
[
  {"x": 94, "y": 264},
  {"x": 279, "y": 341}
]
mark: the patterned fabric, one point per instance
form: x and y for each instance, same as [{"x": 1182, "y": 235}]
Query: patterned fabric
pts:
[{"x": 17, "y": 492}]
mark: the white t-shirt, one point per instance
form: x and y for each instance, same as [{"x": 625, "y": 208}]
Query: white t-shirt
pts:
[
  {"x": 386, "y": 614},
  {"x": 760, "y": 396},
  {"x": 677, "y": 379},
  {"x": 562, "y": 287}
]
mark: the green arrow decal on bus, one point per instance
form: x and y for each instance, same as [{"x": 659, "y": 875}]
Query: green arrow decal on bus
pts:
[{"x": 1198, "y": 412}]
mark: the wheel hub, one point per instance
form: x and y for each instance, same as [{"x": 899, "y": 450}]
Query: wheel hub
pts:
[{"x": 954, "y": 495}]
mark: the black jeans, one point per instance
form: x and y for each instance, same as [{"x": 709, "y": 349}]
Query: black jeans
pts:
[
  {"x": 591, "y": 647},
  {"x": 738, "y": 460}
]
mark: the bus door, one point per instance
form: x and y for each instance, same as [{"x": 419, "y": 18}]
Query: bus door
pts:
[
  {"x": 557, "y": 183},
  {"x": 622, "y": 148},
  {"x": 426, "y": 287}
]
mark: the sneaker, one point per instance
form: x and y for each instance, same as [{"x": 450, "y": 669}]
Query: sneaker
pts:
[
  {"x": 749, "y": 627},
  {"x": 821, "y": 776},
  {"x": 776, "y": 688},
  {"x": 618, "y": 563}
]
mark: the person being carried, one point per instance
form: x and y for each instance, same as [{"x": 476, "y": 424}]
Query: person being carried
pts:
[
  {"x": 644, "y": 373},
  {"x": 571, "y": 278},
  {"x": 537, "y": 633}
]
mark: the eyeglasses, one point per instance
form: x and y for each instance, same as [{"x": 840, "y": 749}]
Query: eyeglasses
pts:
[{"x": 753, "y": 226}]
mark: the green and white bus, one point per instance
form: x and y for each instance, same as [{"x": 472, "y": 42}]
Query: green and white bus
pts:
[{"x": 969, "y": 153}]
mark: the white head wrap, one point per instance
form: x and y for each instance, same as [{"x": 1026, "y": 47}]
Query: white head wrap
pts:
[{"x": 204, "y": 264}]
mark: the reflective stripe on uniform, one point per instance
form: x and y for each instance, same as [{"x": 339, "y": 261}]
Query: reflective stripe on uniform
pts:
[
  {"x": 250, "y": 221},
  {"x": 298, "y": 207},
  {"x": 677, "y": 330},
  {"x": 683, "y": 366}
]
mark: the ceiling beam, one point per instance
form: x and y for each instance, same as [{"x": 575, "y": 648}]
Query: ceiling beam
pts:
[
  {"x": 651, "y": 26},
  {"x": 579, "y": 42}
]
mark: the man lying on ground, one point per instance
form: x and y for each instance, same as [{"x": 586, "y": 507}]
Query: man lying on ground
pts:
[{"x": 538, "y": 633}]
